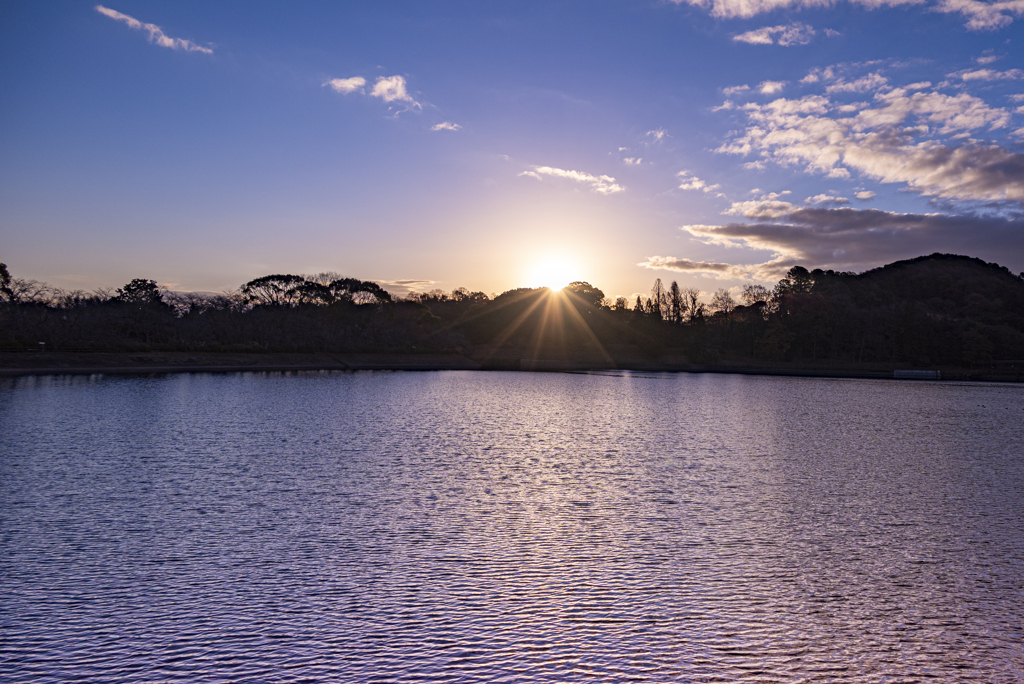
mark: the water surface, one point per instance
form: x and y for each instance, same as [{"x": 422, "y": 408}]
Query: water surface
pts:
[{"x": 499, "y": 527}]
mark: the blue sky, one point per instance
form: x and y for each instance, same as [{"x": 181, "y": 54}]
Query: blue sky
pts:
[{"x": 436, "y": 145}]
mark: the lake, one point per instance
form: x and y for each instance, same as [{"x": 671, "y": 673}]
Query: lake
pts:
[{"x": 501, "y": 527}]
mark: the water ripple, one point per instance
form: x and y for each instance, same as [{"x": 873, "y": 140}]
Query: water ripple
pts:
[{"x": 457, "y": 527}]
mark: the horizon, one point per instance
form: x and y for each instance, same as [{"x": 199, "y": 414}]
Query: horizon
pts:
[{"x": 455, "y": 145}]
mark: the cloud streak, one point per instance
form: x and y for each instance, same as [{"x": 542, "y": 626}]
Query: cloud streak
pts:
[
  {"x": 604, "y": 185},
  {"x": 849, "y": 239},
  {"x": 156, "y": 34},
  {"x": 979, "y": 15},
  {"x": 446, "y": 126},
  {"x": 793, "y": 34}
]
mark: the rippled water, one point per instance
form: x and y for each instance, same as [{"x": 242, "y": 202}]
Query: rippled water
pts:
[{"x": 510, "y": 527}]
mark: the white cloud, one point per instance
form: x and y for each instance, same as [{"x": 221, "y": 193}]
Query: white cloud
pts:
[
  {"x": 728, "y": 9},
  {"x": 347, "y": 85},
  {"x": 988, "y": 75},
  {"x": 987, "y": 59},
  {"x": 826, "y": 199},
  {"x": 793, "y": 34},
  {"x": 633, "y": 161},
  {"x": 865, "y": 194},
  {"x": 446, "y": 126},
  {"x": 604, "y": 185},
  {"x": 392, "y": 89},
  {"x": 658, "y": 134},
  {"x": 818, "y": 74},
  {"x": 760, "y": 208},
  {"x": 735, "y": 90},
  {"x": 894, "y": 141},
  {"x": 691, "y": 182},
  {"x": 861, "y": 85},
  {"x": 771, "y": 87},
  {"x": 980, "y": 15},
  {"x": 832, "y": 33},
  {"x": 156, "y": 35},
  {"x": 984, "y": 16}
]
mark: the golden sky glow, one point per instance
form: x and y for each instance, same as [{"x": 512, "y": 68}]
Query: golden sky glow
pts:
[{"x": 554, "y": 271}]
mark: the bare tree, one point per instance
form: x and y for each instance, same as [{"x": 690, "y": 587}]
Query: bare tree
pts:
[
  {"x": 722, "y": 301},
  {"x": 752, "y": 294},
  {"x": 658, "y": 299},
  {"x": 693, "y": 307}
]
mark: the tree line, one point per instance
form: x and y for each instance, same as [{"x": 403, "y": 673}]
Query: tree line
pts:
[{"x": 936, "y": 310}]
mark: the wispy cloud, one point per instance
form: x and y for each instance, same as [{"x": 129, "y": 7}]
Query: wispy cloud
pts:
[
  {"x": 390, "y": 89},
  {"x": 633, "y": 161},
  {"x": 767, "y": 207},
  {"x": 865, "y": 194},
  {"x": 657, "y": 135},
  {"x": 861, "y": 85},
  {"x": 604, "y": 185},
  {"x": 980, "y": 15},
  {"x": 400, "y": 288},
  {"x": 767, "y": 272},
  {"x": 729, "y": 9},
  {"x": 988, "y": 74},
  {"x": 347, "y": 85},
  {"x": 688, "y": 181},
  {"x": 446, "y": 126},
  {"x": 824, "y": 199},
  {"x": 156, "y": 34},
  {"x": 393, "y": 89},
  {"x": 984, "y": 16},
  {"x": 792, "y": 34},
  {"x": 735, "y": 90}
]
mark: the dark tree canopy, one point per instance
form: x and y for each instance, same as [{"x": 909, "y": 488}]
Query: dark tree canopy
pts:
[
  {"x": 586, "y": 292},
  {"x": 140, "y": 291}
]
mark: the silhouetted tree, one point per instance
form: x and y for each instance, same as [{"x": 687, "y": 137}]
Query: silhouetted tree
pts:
[
  {"x": 722, "y": 302},
  {"x": 675, "y": 297},
  {"x": 753, "y": 294},
  {"x": 586, "y": 293},
  {"x": 5, "y": 284},
  {"x": 140, "y": 291}
]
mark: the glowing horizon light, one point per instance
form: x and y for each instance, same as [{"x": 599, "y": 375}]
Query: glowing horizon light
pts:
[{"x": 553, "y": 272}]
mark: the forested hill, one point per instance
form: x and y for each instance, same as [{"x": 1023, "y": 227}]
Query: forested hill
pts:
[
  {"x": 940, "y": 310},
  {"x": 937, "y": 309}
]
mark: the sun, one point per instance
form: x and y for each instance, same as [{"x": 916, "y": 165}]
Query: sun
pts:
[{"x": 552, "y": 272}]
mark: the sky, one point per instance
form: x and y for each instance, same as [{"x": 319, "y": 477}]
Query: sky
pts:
[{"x": 434, "y": 145}]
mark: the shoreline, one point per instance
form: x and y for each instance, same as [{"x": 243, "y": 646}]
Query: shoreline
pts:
[{"x": 21, "y": 364}]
